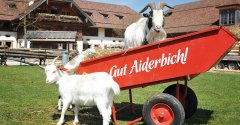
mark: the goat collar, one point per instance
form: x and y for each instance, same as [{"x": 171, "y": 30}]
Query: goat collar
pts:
[{"x": 63, "y": 69}]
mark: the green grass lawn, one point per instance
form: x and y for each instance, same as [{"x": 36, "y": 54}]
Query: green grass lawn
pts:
[{"x": 25, "y": 99}]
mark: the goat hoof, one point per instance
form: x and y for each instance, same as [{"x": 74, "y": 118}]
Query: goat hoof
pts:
[
  {"x": 75, "y": 122},
  {"x": 59, "y": 123}
]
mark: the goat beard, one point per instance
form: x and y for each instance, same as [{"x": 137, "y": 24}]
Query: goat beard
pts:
[
  {"x": 158, "y": 31},
  {"x": 158, "y": 36}
]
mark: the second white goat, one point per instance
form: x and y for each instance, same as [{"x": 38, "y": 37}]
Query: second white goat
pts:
[{"x": 84, "y": 90}]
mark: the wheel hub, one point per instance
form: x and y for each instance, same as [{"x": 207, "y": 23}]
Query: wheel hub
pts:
[{"x": 162, "y": 114}]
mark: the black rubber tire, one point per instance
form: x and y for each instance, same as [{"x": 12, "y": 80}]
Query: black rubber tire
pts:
[
  {"x": 170, "y": 101},
  {"x": 220, "y": 65},
  {"x": 191, "y": 102},
  {"x": 232, "y": 66}
]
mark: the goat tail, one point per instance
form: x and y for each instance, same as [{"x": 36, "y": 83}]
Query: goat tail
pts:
[{"x": 115, "y": 88}]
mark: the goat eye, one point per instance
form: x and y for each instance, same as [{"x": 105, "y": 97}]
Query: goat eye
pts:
[{"x": 150, "y": 12}]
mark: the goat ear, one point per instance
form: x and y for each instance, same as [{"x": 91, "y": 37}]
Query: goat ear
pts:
[
  {"x": 146, "y": 15},
  {"x": 168, "y": 14}
]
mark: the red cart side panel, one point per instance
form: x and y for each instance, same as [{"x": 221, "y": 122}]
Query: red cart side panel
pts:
[{"x": 181, "y": 56}]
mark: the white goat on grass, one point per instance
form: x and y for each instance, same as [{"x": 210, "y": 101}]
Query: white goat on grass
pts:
[
  {"x": 84, "y": 90},
  {"x": 71, "y": 68},
  {"x": 73, "y": 64},
  {"x": 149, "y": 28}
]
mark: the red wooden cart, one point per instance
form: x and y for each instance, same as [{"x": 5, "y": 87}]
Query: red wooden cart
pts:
[{"x": 176, "y": 59}]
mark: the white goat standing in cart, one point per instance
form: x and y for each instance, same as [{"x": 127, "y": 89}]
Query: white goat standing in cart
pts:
[
  {"x": 86, "y": 90},
  {"x": 149, "y": 28}
]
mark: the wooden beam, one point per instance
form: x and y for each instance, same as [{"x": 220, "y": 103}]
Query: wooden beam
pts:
[{"x": 54, "y": 40}]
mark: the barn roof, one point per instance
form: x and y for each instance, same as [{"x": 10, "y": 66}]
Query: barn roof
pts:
[
  {"x": 51, "y": 35},
  {"x": 14, "y": 9},
  {"x": 100, "y": 14},
  {"x": 196, "y": 16},
  {"x": 108, "y": 15}
]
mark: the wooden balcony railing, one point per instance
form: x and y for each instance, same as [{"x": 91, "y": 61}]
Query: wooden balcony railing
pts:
[{"x": 57, "y": 17}]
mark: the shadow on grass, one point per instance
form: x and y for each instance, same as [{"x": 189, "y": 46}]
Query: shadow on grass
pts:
[
  {"x": 202, "y": 116},
  {"x": 91, "y": 116},
  {"x": 87, "y": 116},
  {"x": 126, "y": 114}
]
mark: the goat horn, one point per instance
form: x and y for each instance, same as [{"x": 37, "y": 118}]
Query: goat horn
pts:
[
  {"x": 46, "y": 62},
  {"x": 54, "y": 60},
  {"x": 151, "y": 5},
  {"x": 163, "y": 5}
]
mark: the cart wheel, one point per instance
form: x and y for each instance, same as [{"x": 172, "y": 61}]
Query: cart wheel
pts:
[
  {"x": 163, "y": 109},
  {"x": 220, "y": 65},
  {"x": 189, "y": 103},
  {"x": 232, "y": 66}
]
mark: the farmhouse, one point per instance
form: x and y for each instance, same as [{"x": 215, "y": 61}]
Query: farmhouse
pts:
[
  {"x": 195, "y": 16},
  {"x": 63, "y": 24},
  {"x": 81, "y": 24}
]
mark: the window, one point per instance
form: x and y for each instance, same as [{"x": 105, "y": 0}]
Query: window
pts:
[
  {"x": 104, "y": 15},
  {"x": 1, "y": 25},
  {"x": 9, "y": 44},
  {"x": 44, "y": 11},
  {"x": 89, "y": 13},
  {"x": 119, "y": 16},
  {"x": 54, "y": 10},
  {"x": 38, "y": 10},
  {"x": 114, "y": 33},
  {"x": 6, "y": 25},
  {"x": 12, "y": 5},
  {"x": 227, "y": 17},
  {"x": 238, "y": 16},
  {"x": 232, "y": 18},
  {"x": 90, "y": 32}
]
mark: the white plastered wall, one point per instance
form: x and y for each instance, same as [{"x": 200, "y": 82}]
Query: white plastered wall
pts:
[{"x": 9, "y": 37}]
